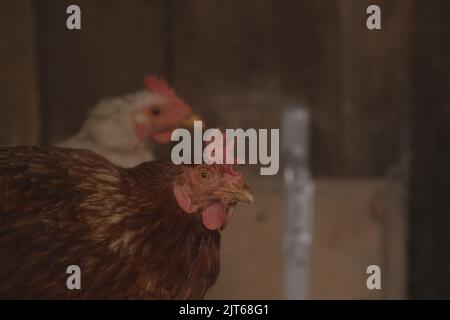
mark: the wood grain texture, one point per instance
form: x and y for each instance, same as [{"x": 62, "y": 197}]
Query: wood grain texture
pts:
[
  {"x": 119, "y": 43},
  {"x": 19, "y": 108},
  {"x": 240, "y": 62},
  {"x": 347, "y": 238},
  {"x": 429, "y": 219},
  {"x": 237, "y": 62}
]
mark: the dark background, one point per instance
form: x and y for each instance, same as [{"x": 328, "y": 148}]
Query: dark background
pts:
[{"x": 379, "y": 100}]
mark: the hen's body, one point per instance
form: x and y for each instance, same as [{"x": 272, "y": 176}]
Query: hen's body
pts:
[
  {"x": 108, "y": 131},
  {"x": 122, "y": 227}
]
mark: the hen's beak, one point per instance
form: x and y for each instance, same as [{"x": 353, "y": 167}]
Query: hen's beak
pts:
[
  {"x": 233, "y": 193},
  {"x": 188, "y": 121},
  {"x": 244, "y": 195}
]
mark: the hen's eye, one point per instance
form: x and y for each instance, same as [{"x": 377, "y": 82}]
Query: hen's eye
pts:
[
  {"x": 155, "y": 111},
  {"x": 204, "y": 174}
]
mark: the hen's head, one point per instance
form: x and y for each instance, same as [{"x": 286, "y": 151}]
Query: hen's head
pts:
[
  {"x": 158, "y": 118},
  {"x": 147, "y": 115},
  {"x": 212, "y": 191}
]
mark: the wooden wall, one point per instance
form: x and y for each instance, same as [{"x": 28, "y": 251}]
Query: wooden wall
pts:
[
  {"x": 19, "y": 110},
  {"x": 119, "y": 43},
  {"x": 237, "y": 63},
  {"x": 429, "y": 219},
  {"x": 257, "y": 56},
  {"x": 249, "y": 58}
]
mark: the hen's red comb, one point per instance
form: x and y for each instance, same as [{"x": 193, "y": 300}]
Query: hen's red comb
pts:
[{"x": 159, "y": 86}]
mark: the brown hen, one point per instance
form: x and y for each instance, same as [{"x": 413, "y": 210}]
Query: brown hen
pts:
[{"x": 149, "y": 232}]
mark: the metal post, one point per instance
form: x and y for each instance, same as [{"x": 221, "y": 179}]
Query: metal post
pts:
[{"x": 299, "y": 194}]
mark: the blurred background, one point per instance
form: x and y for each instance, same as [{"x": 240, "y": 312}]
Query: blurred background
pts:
[{"x": 378, "y": 100}]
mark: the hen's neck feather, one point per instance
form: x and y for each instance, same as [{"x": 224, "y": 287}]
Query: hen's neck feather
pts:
[{"x": 172, "y": 241}]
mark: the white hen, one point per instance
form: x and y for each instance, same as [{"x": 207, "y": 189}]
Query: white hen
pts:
[{"x": 119, "y": 128}]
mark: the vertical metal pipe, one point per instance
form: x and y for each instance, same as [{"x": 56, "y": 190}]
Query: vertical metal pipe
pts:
[{"x": 299, "y": 194}]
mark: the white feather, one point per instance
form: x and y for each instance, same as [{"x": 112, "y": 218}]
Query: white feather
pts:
[{"x": 108, "y": 130}]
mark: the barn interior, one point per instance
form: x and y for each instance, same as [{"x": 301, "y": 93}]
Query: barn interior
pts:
[{"x": 378, "y": 104}]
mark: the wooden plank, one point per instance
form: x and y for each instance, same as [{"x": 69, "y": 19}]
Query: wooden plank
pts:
[
  {"x": 429, "y": 216},
  {"x": 347, "y": 237},
  {"x": 375, "y": 99},
  {"x": 120, "y": 42},
  {"x": 19, "y": 109},
  {"x": 373, "y": 90},
  {"x": 308, "y": 64},
  {"x": 226, "y": 57},
  {"x": 251, "y": 245},
  {"x": 388, "y": 205}
]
